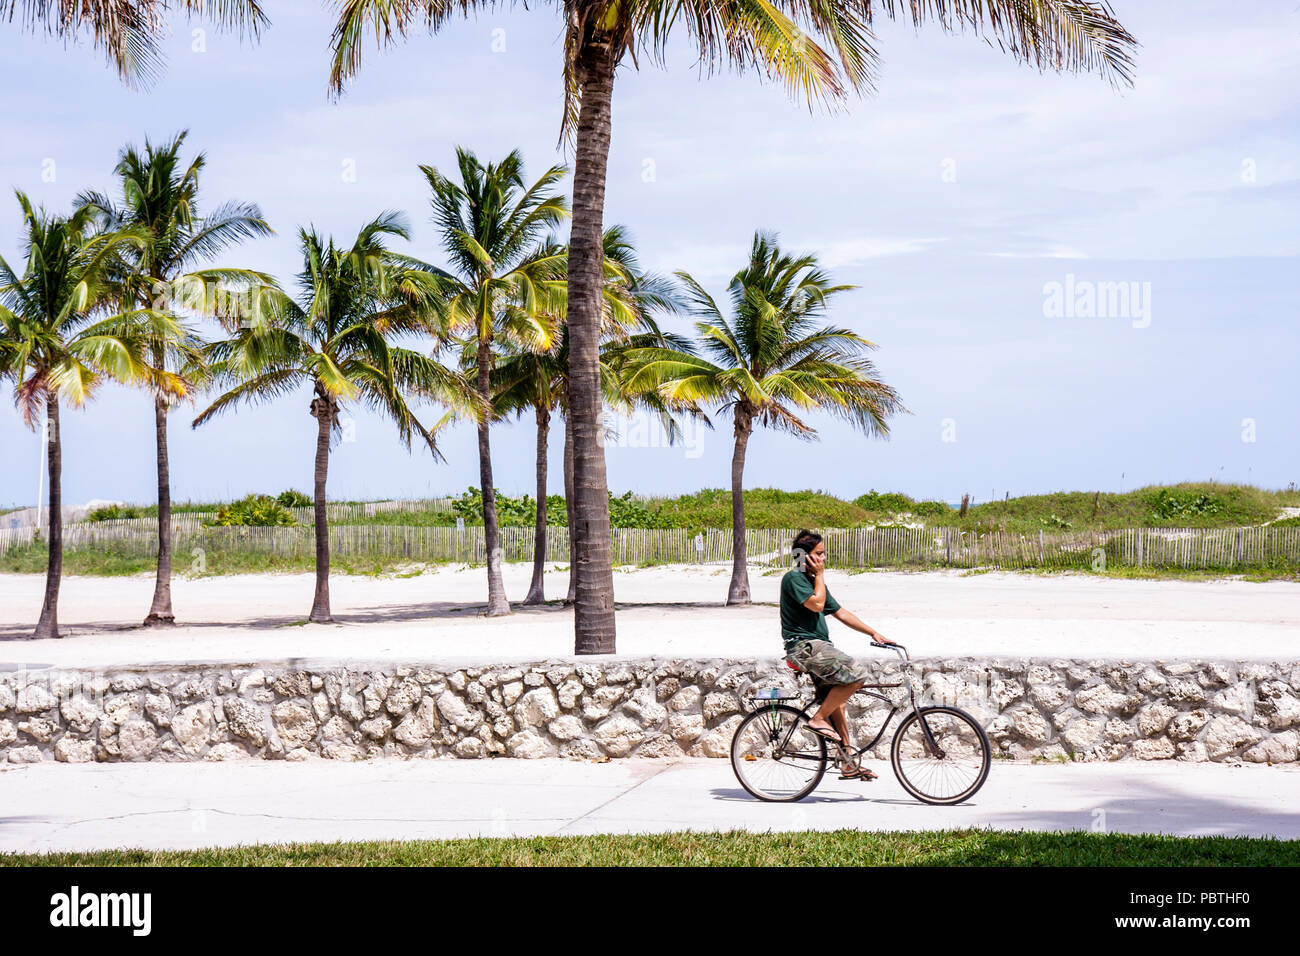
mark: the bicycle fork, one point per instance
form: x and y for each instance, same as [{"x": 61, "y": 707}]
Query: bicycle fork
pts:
[{"x": 931, "y": 745}]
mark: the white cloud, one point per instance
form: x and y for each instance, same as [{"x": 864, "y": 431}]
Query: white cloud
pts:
[
  {"x": 849, "y": 252},
  {"x": 719, "y": 260},
  {"x": 1053, "y": 251}
]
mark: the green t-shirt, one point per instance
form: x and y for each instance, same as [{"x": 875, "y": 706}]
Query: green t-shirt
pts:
[{"x": 797, "y": 622}]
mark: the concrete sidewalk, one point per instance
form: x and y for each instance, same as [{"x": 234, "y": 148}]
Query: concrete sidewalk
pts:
[{"x": 183, "y": 806}]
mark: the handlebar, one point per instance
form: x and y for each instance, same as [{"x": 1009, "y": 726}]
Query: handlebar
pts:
[{"x": 899, "y": 648}]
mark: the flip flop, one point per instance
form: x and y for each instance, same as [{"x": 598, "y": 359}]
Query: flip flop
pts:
[
  {"x": 859, "y": 773},
  {"x": 826, "y": 732}
]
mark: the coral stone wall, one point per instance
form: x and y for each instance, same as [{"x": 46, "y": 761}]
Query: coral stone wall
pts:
[{"x": 1032, "y": 709}]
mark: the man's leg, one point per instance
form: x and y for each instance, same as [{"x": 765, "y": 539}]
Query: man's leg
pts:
[
  {"x": 841, "y": 723},
  {"x": 834, "y": 702}
]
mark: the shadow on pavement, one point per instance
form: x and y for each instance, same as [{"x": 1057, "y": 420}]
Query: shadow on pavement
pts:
[{"x": 1149, "y": 806}]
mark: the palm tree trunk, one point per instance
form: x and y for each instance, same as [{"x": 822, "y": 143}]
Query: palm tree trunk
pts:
[
  {"x": 569, "y": 510},
  {"x": 537, "y": 589},
  {"x": 324, "y": 409},
  {"x": 497, "y": 603},
  {"x": 593, "y": 617},
  {"x": 160, "y": 611},
  {"x": 738, "y": 593},
  {"x": 48, "y": 625}
]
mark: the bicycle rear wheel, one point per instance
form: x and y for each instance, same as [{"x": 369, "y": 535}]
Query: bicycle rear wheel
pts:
[
  {"x": 775, "y": 756},
  {"x": 957, "y": 771}
]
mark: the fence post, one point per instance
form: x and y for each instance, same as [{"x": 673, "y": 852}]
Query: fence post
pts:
[
  {"x": 947, "y": 543},
  {"x": 1040, "y": 547},
  {"x": 1139, "y": 547},
  {"x": 1240, "y": 543}
]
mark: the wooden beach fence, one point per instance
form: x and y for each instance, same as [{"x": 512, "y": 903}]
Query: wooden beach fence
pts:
[{"x": 889, "y": 547}]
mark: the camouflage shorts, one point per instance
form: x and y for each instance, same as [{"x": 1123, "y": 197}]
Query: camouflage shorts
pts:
[{"x": 826, "y": 663}]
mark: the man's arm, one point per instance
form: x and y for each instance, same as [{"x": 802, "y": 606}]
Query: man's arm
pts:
[
  {"x": 818, "y": 600},
  {"x": 849, "y": 619}
]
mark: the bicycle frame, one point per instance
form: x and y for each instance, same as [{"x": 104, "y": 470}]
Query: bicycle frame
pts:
[{"x": 930, "y": 744}]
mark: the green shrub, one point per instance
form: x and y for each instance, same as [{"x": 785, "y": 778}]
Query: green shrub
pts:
[
  {"x": 113, "y": 513},
  {"x": 889, "y": 502},
  {"x": 254, "y": 511},
  {"x": 293, "y": 499},
  {"x": 930, "y": 509},
  {"x": 626, "y": 513},
  {"x": 1167, "y": 504},
  {"x": 764, "y": 508},
  {"x": 512, "y": 512}
]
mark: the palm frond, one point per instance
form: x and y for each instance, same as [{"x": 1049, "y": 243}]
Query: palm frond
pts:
[{"x": 258, "y": 388}]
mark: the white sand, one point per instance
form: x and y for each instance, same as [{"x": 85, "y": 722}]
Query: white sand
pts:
[{"x": 663, "y": 612}]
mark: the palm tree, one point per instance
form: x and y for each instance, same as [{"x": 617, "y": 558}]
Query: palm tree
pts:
[
  {"x": 61, "y": 343},
  {"x": 822, "y": 49},
  {"x": 130, "y": 32},
  {"x": 538, "y": 380},
  {"x": 772, "y": 362},
  {"x": 504, "y": 282},
  {"x": 160, "y": 199},
  {"x": 527, "y": 380},
  {"x": 336, "y": 338},
  {"x": 782, "y": 41}
]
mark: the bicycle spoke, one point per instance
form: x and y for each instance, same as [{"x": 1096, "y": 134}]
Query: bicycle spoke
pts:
[
  {"x": 956, "y": 771},
  {"x": 774, "y": 757}
]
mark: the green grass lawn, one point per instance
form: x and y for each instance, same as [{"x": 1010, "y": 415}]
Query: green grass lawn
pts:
[{"x": 735, "y": 848}]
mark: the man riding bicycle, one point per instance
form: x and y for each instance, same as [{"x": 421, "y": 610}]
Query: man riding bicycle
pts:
[{"x": 805, "y": 602}]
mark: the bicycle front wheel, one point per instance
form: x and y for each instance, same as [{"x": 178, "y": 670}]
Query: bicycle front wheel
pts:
[
  {"x": 956, "y": 770},
  {"x": 775, "y": 756}
]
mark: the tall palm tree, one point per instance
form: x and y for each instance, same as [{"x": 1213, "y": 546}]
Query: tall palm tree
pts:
[
  {"x": 772, "y": 362},
  {"x": 823, "y": 49},
  {"x": 159, "y": 197},
  {"x": 538, "y": 380},
  {"x": 62, "y": 341},
  {"x": 337, "y": 338},
  {"x": 503, "y": 282}
]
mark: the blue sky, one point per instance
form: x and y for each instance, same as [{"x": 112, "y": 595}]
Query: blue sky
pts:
[{"x": 954, "y": 199}]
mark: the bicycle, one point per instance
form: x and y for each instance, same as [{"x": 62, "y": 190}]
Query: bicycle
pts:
[{"x": 940, "y": 754}]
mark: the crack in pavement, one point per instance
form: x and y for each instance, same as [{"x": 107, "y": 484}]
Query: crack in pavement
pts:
[{"x": 617, "y": 796}]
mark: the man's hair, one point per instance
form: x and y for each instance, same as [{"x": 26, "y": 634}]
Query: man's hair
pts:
[{"x": 806, "y": 540}]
